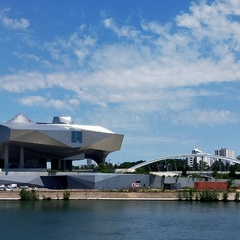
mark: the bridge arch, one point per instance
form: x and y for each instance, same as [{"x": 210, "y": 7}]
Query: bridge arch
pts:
[{"x": 180, "y": 156}]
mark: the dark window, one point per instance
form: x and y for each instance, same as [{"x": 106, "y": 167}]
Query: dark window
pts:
[{"x": 76, "y": 137}]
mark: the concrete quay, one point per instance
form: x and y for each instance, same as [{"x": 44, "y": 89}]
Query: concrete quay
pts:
[
  {"x": 157, "y": 195},
  {"x": 93, "y": 195}
]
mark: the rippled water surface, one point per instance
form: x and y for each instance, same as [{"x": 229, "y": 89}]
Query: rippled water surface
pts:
[{"x": 105, "y": 220}]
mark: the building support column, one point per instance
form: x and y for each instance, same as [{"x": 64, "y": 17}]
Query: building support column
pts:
[
  {"x": 6, "y": 156},
  {"x": 59, "y": 164},
  {"x": 68, "y": 164},
  {"x": 64, "y": 165},
  {"x": 21, "y": 157}
]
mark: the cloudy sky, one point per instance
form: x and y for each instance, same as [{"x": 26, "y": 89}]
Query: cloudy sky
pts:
[{"x": 166, "y": 74}]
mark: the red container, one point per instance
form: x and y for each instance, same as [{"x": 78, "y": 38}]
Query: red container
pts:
[{"x": 211, "y": 185}]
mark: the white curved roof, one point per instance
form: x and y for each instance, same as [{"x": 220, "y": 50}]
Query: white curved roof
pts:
[{"x": 59, "y": 123}]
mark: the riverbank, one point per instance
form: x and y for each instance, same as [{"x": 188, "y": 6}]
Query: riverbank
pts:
[
  {"x": 75, "y": 194},
  {"x": 93, "y": 194}
]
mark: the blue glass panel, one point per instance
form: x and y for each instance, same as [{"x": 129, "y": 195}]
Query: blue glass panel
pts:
[{"x": 76, "y": 137}]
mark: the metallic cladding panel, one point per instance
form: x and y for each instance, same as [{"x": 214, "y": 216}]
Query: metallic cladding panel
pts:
[
  {"x": 90, "y": 137},
  {"x": 18, "y": 135},
  {"x": 109, "y": 144},
  {"x": 79, "y": 156},
  {"x": 82, "y": 182},
  {"x": 119, "y": 181},
  {"x": 34, "y": 137},
  {"x": 4, "y": 134},
  {"x": 102, "y": 141},
  {"x": 62, "y": 136},
  {"x": 78, "y": 181}
]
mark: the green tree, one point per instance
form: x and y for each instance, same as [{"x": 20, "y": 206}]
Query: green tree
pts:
[
  {"x": 130, "y": 164},
  {"x": 232, "y": 171},
  {"x": 142, "y": 170},
  {"x": 105, "y": 168},
  {"x": 195, "y": 164}
]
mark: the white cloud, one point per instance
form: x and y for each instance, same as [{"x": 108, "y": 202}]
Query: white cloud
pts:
[
  {"x": 10, "y": 23},
  {"x": 204, "y": 116},
  {"x": 72, "y": 51},
  {"x": 49, "y": 103},
  {"x": 155, "y": 27},
  {"x": 141, "y": 71},
  {"x": 29, "y": 57},
  {"x": 216, "y": 21},
  {"x": 122, "y": 31},
  {"x": 24, "y": 81}
]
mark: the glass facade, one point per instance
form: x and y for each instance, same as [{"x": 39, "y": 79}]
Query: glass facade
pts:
[{"x": 76, "y": 137}]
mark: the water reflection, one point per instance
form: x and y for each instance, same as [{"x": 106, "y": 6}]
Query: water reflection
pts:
[{"x": 94, "y": 219}]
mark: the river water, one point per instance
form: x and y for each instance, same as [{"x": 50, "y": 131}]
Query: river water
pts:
[{"x": 118, "y": 220}]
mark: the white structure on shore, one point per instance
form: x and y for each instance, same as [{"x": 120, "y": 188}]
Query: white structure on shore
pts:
[{"x": 197, "y": 159}]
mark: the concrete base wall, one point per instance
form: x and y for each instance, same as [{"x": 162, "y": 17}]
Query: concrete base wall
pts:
[
  {"x": 101, "y": 195},
  {"x": 76, "y": 181},
  {"x": 71, "y": 180}
]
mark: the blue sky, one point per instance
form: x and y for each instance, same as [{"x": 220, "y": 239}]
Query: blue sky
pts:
[{"x": 166, "y": 74}]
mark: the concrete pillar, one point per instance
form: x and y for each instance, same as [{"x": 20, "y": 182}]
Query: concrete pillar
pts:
[
  {"x": 59, "y": 164},
  {"x": 68, "y": 165},
  {"x": 21, "y": 157},
  {"x": 64, "y": 165},
  {"x": 55, "y": 164},
  {"x": 6, "y": 156}
]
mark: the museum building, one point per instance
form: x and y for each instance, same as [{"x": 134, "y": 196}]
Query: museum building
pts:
[{"x": 25, "y": 144}]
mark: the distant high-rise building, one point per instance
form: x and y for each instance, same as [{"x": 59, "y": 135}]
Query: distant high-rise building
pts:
[{"x": 225, "y": 152}]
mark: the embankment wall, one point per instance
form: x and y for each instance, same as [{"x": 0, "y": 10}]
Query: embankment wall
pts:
[{"x": 102, "y": 195}]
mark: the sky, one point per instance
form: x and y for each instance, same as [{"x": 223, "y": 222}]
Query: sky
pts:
[{"x": 165, "y": 74}]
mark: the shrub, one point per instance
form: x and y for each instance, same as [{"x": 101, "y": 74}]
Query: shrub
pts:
[
  {"x": 187, "y": 194},
  {"x": 191, "y": 194},
  {"x": 208, "y": 196},
  {"x": 24, "y": 194},
  {"x": 236, "y": 199},
  {"x": 196, "y": 196},
  {"x": 52, "y": 172},
  {"x": 28, "y": 195},
  {"x": 180, "y": 196},
  {"x": 215, "y": 196},
  {"x": 225, "y": 196},
  {"x": 66, "y": 195}
]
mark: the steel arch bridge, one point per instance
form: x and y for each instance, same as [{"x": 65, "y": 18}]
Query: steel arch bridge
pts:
[{"x": 180, "y": 156}]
